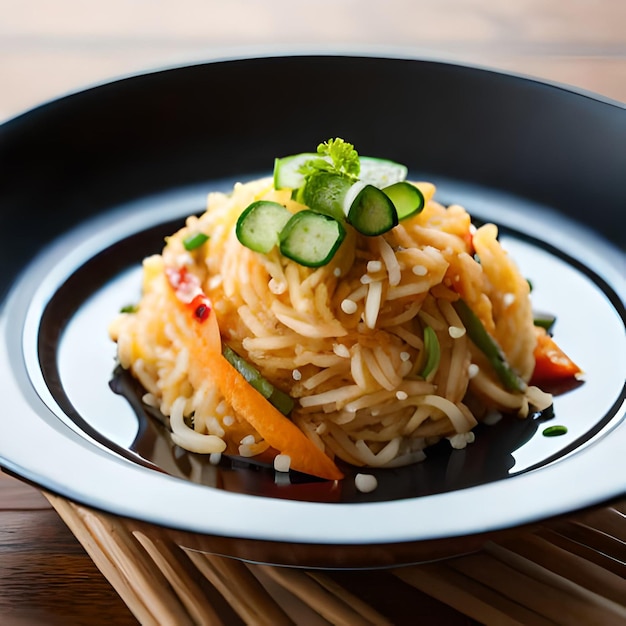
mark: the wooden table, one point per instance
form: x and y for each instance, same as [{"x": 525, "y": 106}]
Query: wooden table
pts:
[
  {"x": 45, "y": 575},
  {"x": 47, "y": 50}
]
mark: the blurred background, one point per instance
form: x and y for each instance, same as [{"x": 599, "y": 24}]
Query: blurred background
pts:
[{"x": 50, "y": 48}]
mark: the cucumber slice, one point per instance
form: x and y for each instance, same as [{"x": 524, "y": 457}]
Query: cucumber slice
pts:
[
  {"x": 259, "y": 225},
  {"x": 407, "y": 198},
  {"x": 287, "y": 170},
  {"x": 371, "y": 211},
  {"x": 381, "y": 172},
  {"x": 374, "y": 171},
  {"x": 311, "y": 239},
  {"x": 325, "y": 193}
]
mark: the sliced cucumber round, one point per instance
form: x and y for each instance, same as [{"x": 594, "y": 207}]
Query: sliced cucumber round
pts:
[
  {"x": 325, "y": 193},
  {"x": 287, "y": 173},
  {"x": 407, "y": 198},
  {"x": 371, "y": 211},
  {"x": 381, "y": 172},
  {"x": 259, "y": 225},
  {"x": 378, "y": 172},
  {"x": 310, "y": 238}
]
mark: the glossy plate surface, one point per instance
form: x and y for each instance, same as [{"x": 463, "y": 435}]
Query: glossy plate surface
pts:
[{"x": 96, "y": 180}]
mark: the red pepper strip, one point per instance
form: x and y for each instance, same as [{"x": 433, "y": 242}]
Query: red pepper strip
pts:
[
  {"x": 205, "y": 350},
  {"x": 551, "y": 363}
]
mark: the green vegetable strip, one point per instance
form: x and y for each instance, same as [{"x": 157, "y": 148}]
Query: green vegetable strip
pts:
[
  {"x": 279, "y": 399},
  {"x": 191, "y": 242},
  {"x": 432, "y": 350},
  {"x": 554, "y": 431},
  {"x": 488, "y": 346},
  {"x": 544, "y": 320}
]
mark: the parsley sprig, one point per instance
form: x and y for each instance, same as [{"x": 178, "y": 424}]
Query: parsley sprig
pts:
[{"x": 336, "y": 157}]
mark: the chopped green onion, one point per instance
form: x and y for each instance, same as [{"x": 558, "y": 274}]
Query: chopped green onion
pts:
[
  {"x": 544, "y": 320},
  {"x": 554, "y": 431},
  {"x": 283, "y": 402},
  {"x": 195, "y": 240},
  {"x": 488, "y": 346},
  {"x": 129, "y": 308},
  {"x": 432, "y": 350}
]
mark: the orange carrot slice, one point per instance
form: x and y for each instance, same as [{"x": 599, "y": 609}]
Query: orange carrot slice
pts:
[{"x": 204, "y": 344}]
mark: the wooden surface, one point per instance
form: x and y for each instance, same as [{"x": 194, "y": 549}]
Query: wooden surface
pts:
[
  {"x": 46, "y": 577},
  {"x": 48, "y": 49},
  {"x": 565, "y": 571}
]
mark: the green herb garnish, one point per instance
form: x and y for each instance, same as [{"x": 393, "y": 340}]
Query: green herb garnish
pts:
[
  {"x": 129, "y": 308},
  {"x": 336, "y": 157}
]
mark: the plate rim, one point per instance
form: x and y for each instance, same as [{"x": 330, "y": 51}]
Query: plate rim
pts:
[{"x": 15, "y": 456}]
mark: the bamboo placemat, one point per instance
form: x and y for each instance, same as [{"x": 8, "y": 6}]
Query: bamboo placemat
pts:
[{"x": 566, "y": 571}]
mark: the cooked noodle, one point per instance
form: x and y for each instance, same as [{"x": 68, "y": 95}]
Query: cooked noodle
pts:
[{"x": 345, "y": 340}]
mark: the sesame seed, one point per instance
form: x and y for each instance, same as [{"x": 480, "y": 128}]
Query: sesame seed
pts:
[
  {"x": 150, "y": 400},
  {"x": 245, "y": 451},
  {"x": 282, "y": 462},
  {"x": 215, "y": 281},
  {"x": 492, "y": 417},
  {"x": 419, "y": 270},
  {"x": 472, "y": 370},
  {"x": 349, "y": 306},
  {"x": 365, "y": 483},
  {"x": 184, "y": 259},
  {"x": 402, "y": 395},
  {"x": 508, "y": 299},
  {"x": 277, "y": 287},
  {"x": 297, "y": 374},
  {"x": 404, "y": 356},
  {"x": 366, "y": 280},
  {"x": 456, "y": 332},
  {"x": 228, "y": 420},
  {"x": 460, "y": 440},
  {"x": 341, "y": 350},
  {"x": 337, "y": 272}
]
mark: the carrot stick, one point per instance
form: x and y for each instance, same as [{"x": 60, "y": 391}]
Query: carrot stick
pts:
[{"x": 282, "y": 434}]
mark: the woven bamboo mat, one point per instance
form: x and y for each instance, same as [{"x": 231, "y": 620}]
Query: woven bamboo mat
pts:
[{"x": 566, "y": 571}]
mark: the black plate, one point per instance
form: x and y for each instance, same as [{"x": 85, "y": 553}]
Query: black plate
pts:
[{"x": 92, "y": 183}]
